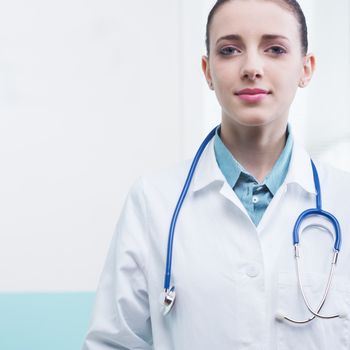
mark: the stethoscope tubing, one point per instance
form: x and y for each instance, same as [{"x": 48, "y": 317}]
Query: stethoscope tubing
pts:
[
  {"x": 180, "y": 201},
  {"x": 318, "y": 211}
]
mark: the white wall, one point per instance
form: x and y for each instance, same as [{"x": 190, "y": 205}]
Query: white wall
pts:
[
  {"x": 328, "y": 126},
  {"x": 93, "y": 94},
  {"x": 89, "y": 100}
]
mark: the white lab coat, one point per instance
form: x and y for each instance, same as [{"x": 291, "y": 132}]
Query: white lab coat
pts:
[{"x": 231, "y": 277}]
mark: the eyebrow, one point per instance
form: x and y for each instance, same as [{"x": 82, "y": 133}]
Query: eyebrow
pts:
[{"x": 237, "y": 37}]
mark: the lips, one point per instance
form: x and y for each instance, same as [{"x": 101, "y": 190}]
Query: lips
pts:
[
  {"x": 252, "y": 95},
  {"x": 252, "y": 92}
]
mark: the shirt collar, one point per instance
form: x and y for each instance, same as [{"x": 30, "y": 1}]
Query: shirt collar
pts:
[
  {"x": 232, "y": 170},
  {"x": 279, "y": 171},
  {"x": 228, "y": 165},
  {"x": 299, "y": 171}
]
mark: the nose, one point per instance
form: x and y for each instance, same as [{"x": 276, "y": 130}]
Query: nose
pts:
[{"x": 252, "y": 67}]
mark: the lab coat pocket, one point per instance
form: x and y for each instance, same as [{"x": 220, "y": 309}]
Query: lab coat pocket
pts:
[{"x": 320, "y": 334}]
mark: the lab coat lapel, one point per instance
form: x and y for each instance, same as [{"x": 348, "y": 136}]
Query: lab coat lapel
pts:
[
  {"x": 230, "y": 194},
  {"x": 208, "y": 172},
  {"x": 299, "y": 174}
]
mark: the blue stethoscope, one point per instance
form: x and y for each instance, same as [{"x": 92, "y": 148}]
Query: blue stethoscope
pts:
[{"x": 168, "y": 296}]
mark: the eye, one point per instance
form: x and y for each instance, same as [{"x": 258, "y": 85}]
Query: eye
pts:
[
  {"x": 276, "y": 50},
  {"x": 229, "y": 51}
]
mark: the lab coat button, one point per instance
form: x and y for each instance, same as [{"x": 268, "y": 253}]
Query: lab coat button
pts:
[{"x": 252, "y": 271}]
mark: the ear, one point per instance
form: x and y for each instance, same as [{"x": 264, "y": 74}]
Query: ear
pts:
[
  {"x": 309, "y": 65},
  {"x": 206, "y": 71}
]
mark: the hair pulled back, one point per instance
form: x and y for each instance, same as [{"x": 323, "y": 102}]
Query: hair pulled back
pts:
[{"x": 292, "y": 5}]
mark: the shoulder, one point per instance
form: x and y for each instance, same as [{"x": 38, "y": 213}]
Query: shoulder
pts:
[
  {"x": 328, "y": 174},
  {"x": 151, "y": 200},
  {"x": 167, "y": 176},
  {"x": 335, "y": 189},
  {"x": 162, "y": 184},
  {"x": 332, "y": 175}
]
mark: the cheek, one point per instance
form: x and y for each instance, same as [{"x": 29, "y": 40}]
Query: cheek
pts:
[
  {"x": 223, "y": 73},
  {"x": 291, "y": 84},
  {"x": 287, "y": 80}
]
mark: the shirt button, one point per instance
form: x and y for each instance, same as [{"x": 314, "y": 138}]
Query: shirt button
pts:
[
  {"x": 255, "y": 199},
  {"x": 252, "y": 271}
]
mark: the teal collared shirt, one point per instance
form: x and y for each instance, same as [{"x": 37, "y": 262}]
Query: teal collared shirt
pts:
[{"x": 254, "y": 196}]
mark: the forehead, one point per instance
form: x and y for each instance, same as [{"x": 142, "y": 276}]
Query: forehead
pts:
[{"x": 254, "y": 17}]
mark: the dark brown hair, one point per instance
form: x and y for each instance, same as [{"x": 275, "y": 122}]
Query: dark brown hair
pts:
[{"x": 292, "y": 5}]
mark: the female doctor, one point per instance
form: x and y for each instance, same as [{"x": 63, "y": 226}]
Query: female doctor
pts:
[{"x": 233, "y": 262}]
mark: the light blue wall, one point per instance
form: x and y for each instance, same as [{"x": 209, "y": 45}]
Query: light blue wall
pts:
[{"x": 37, "y": 321}]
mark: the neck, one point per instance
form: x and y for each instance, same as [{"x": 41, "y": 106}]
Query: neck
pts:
[{"x": 255, "y": 148}]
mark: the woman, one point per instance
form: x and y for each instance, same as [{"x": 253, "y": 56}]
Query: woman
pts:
[{"x": 233, "y": 255}]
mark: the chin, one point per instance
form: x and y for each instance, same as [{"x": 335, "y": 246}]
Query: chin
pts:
[
  {"x": 252, "y": 117},
  {"x": 253, "y": 121}
]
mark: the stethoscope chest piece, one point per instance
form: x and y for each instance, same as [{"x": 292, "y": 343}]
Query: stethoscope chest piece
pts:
[{"x": 168, "y": 300}]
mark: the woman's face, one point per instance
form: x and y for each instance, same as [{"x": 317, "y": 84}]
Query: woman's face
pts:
[{"x": 255, "y": 63}]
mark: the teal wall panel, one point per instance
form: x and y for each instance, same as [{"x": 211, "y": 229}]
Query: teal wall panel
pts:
[{"x": 44, "y": 321}]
